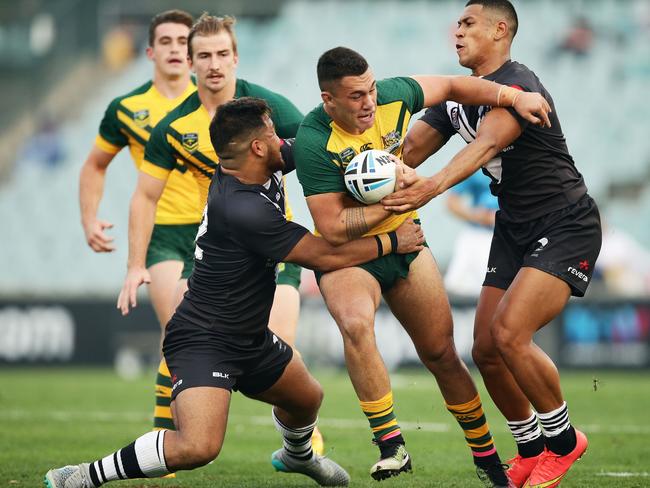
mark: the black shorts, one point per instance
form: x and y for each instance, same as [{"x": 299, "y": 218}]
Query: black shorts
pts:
[
  {"x": 564, "y": 243},
  {"x": 200, "y": 357}
]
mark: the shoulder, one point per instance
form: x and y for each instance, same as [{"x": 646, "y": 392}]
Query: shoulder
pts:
[
  {"x": 117, "y": 102},
  {"x": 399, "y": 88},
  {"x": 248, "y": 89},
  {"x": 519, "y": 75},
  {"x": 315, "y": 129},
  {"x": 186, "y": 107}
]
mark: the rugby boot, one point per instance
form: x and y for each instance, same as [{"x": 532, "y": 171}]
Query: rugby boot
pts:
[
  {"x": 69, "y": 477},
  {"x": 322, "y": 470},
  {"x": 520, "y": 469},
  {"x": 552, "y": 467},
  {"x": 494, "y": 476},
  {"x": 394, "y": 460}
]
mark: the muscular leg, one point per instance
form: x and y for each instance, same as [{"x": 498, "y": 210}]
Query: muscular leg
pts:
[
  {"x": 420, "y": 304},
  {"x": 500, "y": 383},
  {"x": 201, "y": 415},
  {"x": 533, "y": 299},
  {"x": 352, "y": 296},
  {"x": 284, "y": 313},
  {"x": 163, "y": 289}
]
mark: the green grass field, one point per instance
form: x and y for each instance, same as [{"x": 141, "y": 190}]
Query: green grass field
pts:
[{"x": 54, "y": 417}]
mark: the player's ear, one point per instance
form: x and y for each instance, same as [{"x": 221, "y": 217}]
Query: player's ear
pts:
[
  {"x": 258, "y": 147},
  {"x": 326, "y": 97},
  {"x": 149, "y": 52},
  {"x": 501, "y": 30}
]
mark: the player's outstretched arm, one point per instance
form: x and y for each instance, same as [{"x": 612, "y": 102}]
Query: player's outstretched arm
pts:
[
  {"x": 471, "y": 90},
  {"x": 91, "y": 189},
  {"x": 316, "y": 253},
  {"x": 142, "y": 216},
  {"x": 498, "y": 130},
  {"x": 421, "y": 141}
]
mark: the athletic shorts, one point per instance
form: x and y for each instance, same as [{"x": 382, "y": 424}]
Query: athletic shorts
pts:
[
  {"x": 289, "y": 274},
  {"x": 564, "y": 243},
  {"x": 201, "y": 357},
  {"x": 173, "y": 243},
  {"x": 386, "y": 269}
]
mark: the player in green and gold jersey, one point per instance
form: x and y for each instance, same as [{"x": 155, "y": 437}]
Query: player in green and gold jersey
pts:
[
  {"x": 182, "y": 140},
  {"x": 359, "y": 113},
  {"x": 128, "y": 121}
]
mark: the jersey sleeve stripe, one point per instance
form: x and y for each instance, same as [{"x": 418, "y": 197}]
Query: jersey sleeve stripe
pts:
[
  {"x": 106, "y": 146},
  {"x": 154, "y": 170},
  {"x": 128, "y": 123}
]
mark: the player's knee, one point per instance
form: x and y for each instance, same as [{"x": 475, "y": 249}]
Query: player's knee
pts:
[
  {"x": 357, "y": 329},
  {"x": 506, "y": 335},
  {"x": 484, "y": 352},
  {"x": 199, "y": 452},
  {"x": 440, "y": 354}
]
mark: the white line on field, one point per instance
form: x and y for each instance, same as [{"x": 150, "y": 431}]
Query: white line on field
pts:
[
  {"x": 329, "y": 422},
  {"x": 623, "y": 474}
]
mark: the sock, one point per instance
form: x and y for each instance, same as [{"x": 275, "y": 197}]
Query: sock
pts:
[
  {"x": 472, "y": 420},
  {"x": 560, "y": 436},
  {"x": 382, "y": 419},
  {"x": 528, "y": 436},
  {"x": 162, "y": 416},
  {"x": 296, "y": 441},
  {"x": 143, "y": 458}
]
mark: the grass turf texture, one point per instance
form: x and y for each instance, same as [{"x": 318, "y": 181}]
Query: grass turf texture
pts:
[{"x": 53, "y": 417}]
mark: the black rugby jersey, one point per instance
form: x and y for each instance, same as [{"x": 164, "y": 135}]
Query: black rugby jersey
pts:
[
  {"x": 533, "y": 176},
  {"x": 243, "y": 236}
]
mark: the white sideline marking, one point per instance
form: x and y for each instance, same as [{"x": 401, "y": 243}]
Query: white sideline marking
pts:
[
  {"x": 329, "y": 422},
  {"x": 623, "y": 474}
]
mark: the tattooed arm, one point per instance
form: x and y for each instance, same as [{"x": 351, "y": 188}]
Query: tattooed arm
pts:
[{"x": 340, "y": 219}]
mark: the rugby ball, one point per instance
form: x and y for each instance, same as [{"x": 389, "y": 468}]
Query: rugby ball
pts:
[{"x": 370, "y": 176}]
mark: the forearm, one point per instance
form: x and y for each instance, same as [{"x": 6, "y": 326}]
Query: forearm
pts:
[
  {"x": 91, "y": 189},
  {"x": 142, "y": 216},
  {"x": 464, "y": 164},
  {"x": 331, "y": 258},
  {"x": 353, "y": 222},
  {"x": 470, "y": 90}
]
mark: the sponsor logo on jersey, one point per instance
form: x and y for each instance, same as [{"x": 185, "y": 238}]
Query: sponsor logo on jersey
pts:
[
  {"x": 346, "y": 156},
  {"x": 579, "y": 274},
  {"x": 453, "y": 116},
  {"x": 584, "y": 265},
  {"x": 190, "y": 141},
  {"x": 141, "y": 118},
  {"x": 392, "y": 141}
]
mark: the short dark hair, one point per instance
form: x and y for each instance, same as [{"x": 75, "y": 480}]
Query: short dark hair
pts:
[
  {"x": 169, "y": 17},
  {"x": 208, "y": 25},
  {"x": 504, "y": 7},
  {"x": 339, "y": 62},
  {"x": 236, "y": 120}
]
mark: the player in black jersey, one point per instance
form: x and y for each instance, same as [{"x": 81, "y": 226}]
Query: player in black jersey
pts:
[
  {"x": 218, "y": 340},
  {"x": 546, "y": 240}
]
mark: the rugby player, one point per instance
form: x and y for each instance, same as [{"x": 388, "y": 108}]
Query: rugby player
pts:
[
  {"x": 359, "y": 113},
  {"x": 546, "y": 240},
  {"x": 182, "y": 141}
]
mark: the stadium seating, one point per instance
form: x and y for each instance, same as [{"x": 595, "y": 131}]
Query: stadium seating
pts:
[{"x": 601, "y": 101}]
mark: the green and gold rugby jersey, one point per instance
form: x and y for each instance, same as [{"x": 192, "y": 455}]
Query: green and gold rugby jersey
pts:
[
  {"x": 323, "y": 149},
  {"x": 128, "y": 121},
  {"x": 182, "y": 139}
]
